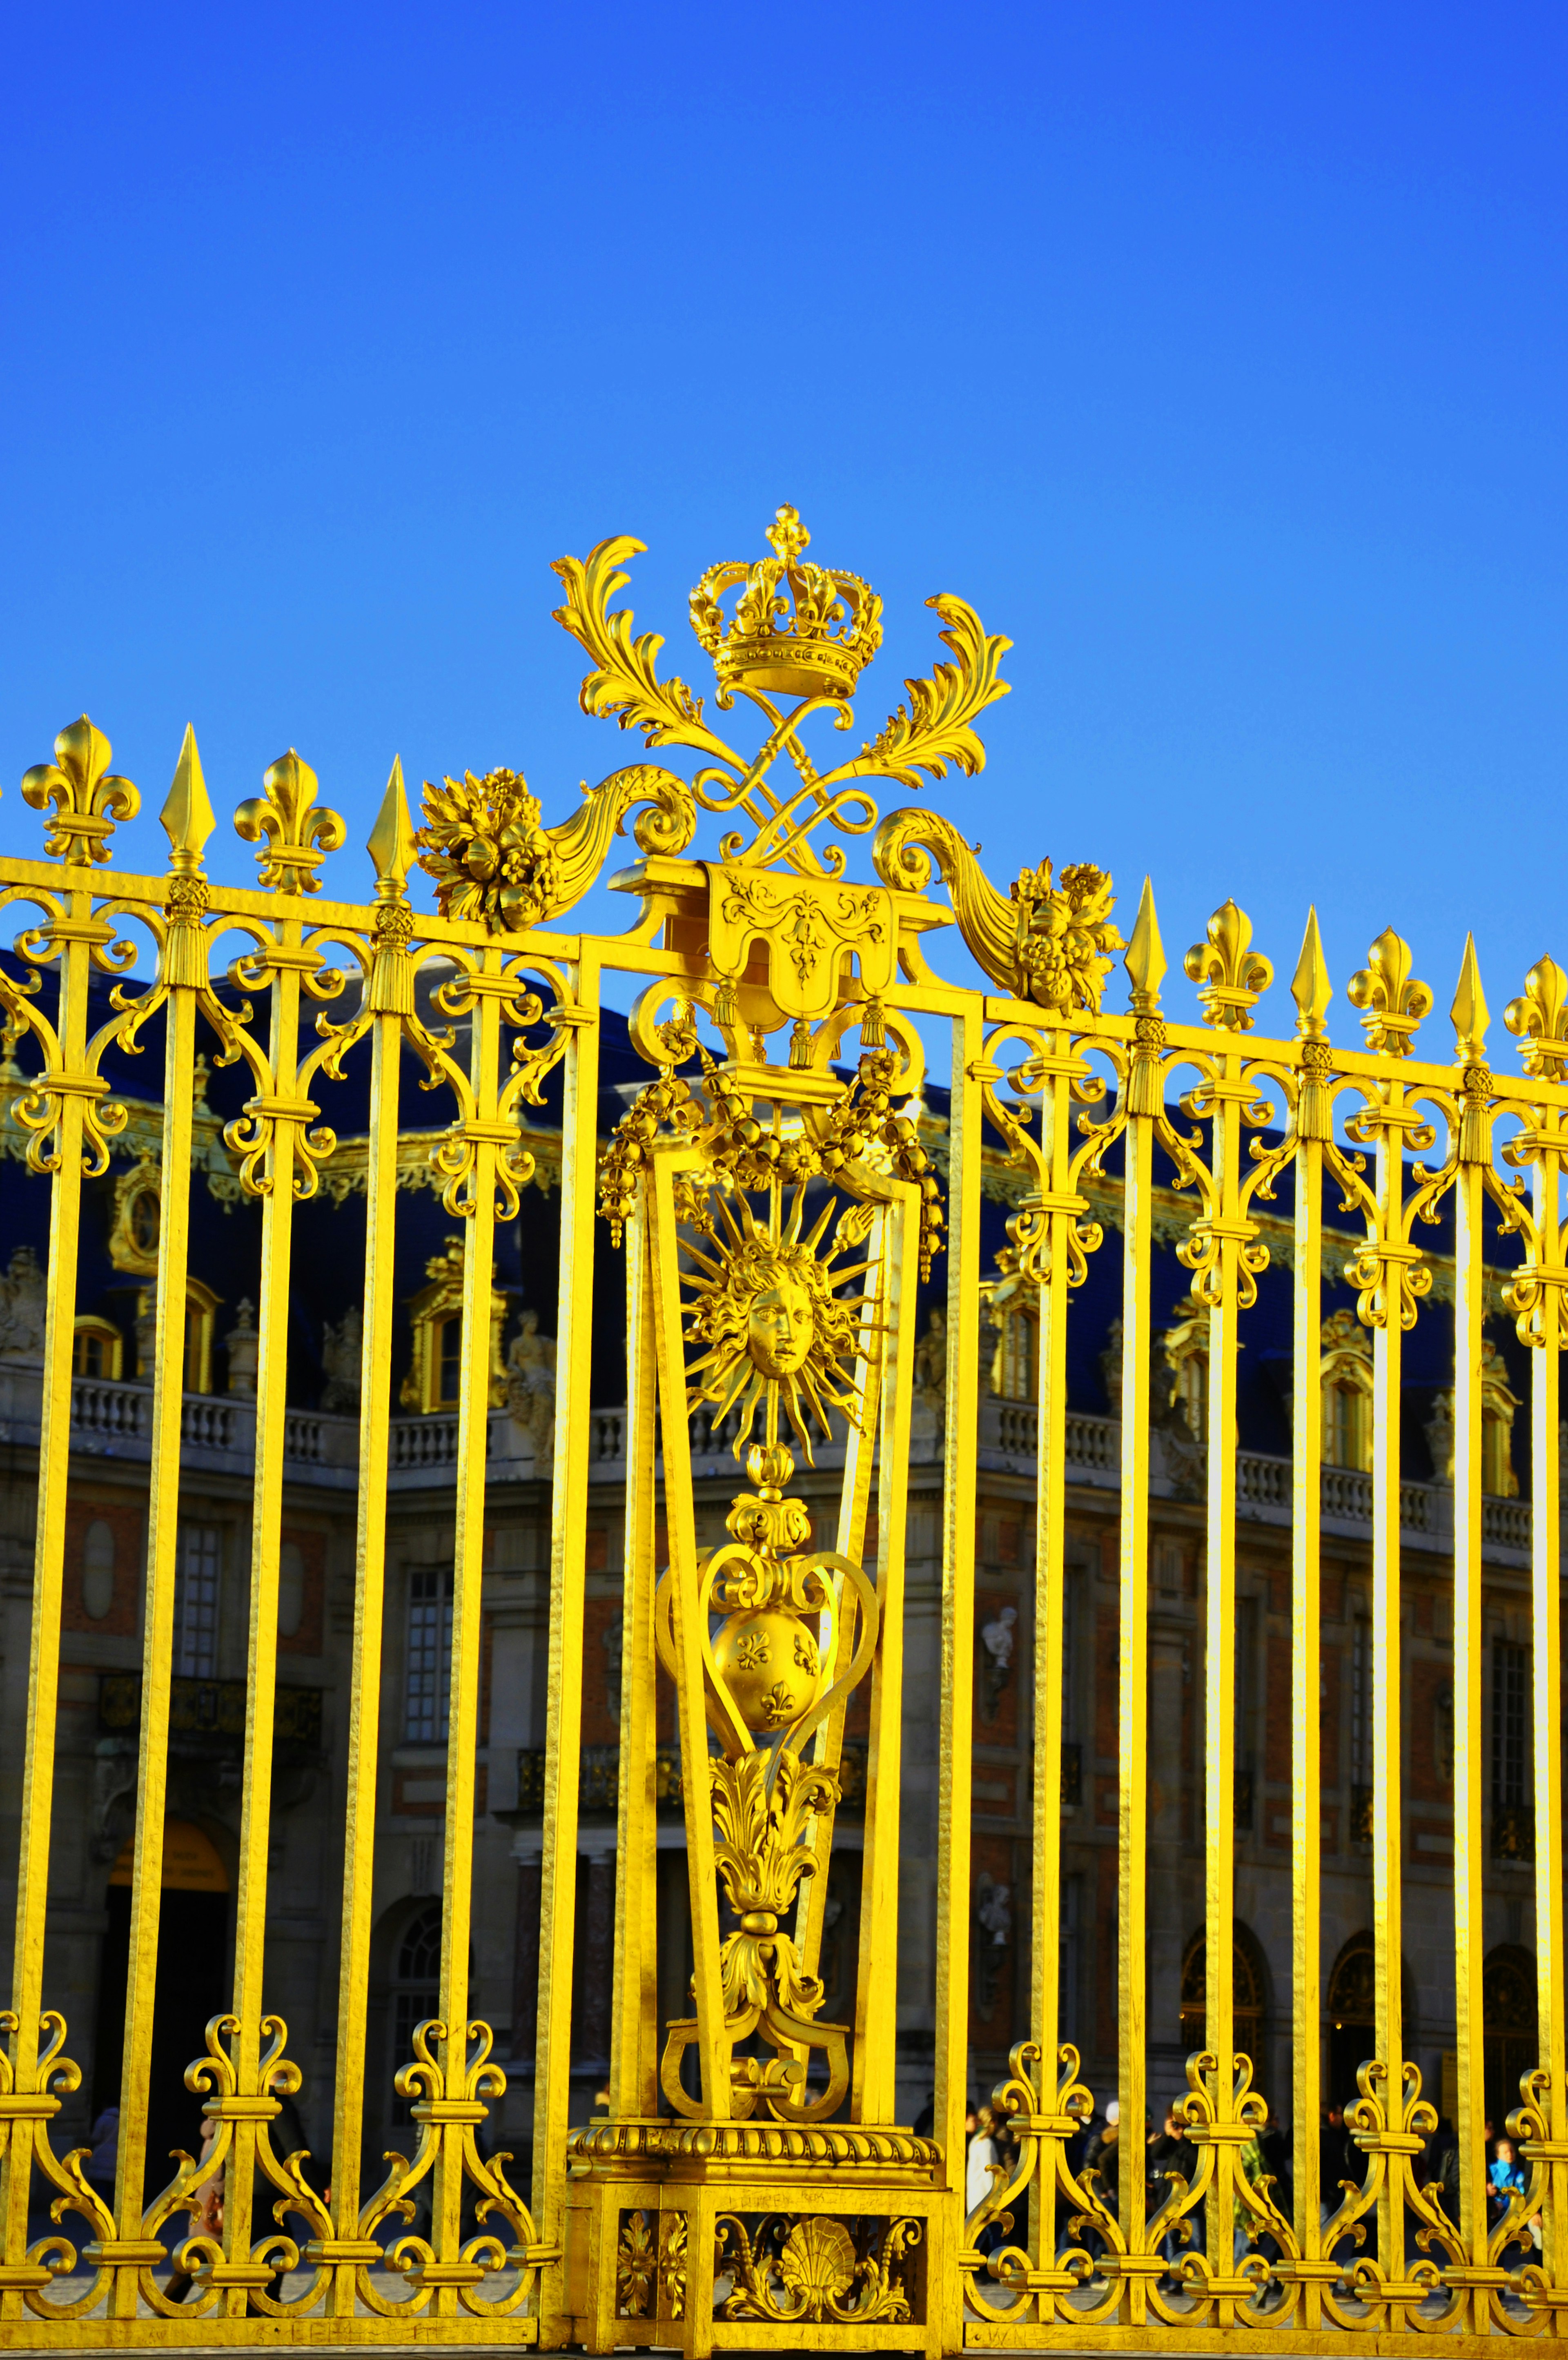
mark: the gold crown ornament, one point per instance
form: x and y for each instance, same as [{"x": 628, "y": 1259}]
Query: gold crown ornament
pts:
[{"x": 815, "y": 641}]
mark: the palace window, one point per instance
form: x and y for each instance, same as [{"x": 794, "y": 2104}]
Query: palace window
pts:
[
  {"x": 196, "y": 1584},
  {"x": 1513, "y": 1831},
  {"x": 1015, "y": 1321},
  {"x": 436, "y": 1316},
  {"x": 201, "y": 1303},
  {"x": 200, "y": 1307},
  {"x": 97, "y": 1350},
  {"x": 1346, "y": 1371},
  {"x": 1186, "y": 1350},
  {"x": 428, "y": 1677},
  {"x": 1498, "y": 1404}
]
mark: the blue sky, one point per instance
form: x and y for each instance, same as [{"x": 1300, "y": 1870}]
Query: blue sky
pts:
[{"x": 1216, "y": 354}]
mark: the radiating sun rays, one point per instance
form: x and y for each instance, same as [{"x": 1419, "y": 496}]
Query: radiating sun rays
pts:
[{"x": 767, "y": 1304}]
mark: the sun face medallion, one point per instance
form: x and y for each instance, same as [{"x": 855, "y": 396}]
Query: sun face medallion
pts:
[{"x": 769, "y": 1303}]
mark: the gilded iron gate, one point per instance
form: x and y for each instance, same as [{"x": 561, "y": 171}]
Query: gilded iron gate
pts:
[{"x": 749, "y": 2184}]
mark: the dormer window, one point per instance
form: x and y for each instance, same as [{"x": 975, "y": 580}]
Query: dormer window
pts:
[
  {"x": 97, "y": 1350},
  {"x": 1185, "y": 1350},
  {"x": 1346, "y": 1374},
  {"x": 435, "y": 1315}
]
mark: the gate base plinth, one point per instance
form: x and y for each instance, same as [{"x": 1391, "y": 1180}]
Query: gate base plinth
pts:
[{"x": 707, "y": 2237}]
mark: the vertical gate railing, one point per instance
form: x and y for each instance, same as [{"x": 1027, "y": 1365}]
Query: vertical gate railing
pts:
[{"x": 780, "y": 1192}]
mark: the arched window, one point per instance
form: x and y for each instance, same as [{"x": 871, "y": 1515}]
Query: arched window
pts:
[
  {"x": 1249, "y": 1985},
  {"x": 1015, "y": 1323},
  {"x": 435, "y": 1315},
  {"x": 1346, "y": 1371},
  {"x": 1498, "y": 1404},
  {"x": 97, "y": 1349},
  {"x": 416, "y": 1992}
]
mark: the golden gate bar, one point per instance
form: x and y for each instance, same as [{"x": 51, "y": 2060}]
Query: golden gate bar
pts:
[{"x": 748, "y": 2187}]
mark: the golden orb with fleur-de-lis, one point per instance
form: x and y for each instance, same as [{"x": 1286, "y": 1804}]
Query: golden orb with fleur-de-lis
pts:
[{"x": 770, "y": 1663}]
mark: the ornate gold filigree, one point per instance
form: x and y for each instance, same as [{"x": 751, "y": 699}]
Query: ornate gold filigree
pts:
[
  {"x": 769, "y": 1681},
  {"x": 493, "y": 861},
  {"x": 756, "y": 1156},
  {"x": 636, "y": 2267},
  {"x": 1049, "y": 943},
  {"x": 88, "y": 799},
  {"x": 624, "y": 685},
  {"x": 761, "y": 1811},
  {"x": 816, "y": 657},
  {"x": 28, "y": 2104},
  {"x": 672, "y": 2266},
  {"x": 810, "y": 2269},
  {"x": 937, "y": 725},
  {"x": 449, "y": 2108}
]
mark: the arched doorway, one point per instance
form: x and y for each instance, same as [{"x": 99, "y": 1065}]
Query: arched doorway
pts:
[
  {"x": 1352, "y": 2010},
  {"x": 1249, "y": 1973},
  {"x": 415, "y": 1993},
  {"x": 192, "y": 1961},
  {"x": 1353, "y": 2015},
  {"x": 1510, "y": 2027}
]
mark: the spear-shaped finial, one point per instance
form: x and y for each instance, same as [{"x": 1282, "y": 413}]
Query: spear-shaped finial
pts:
[
  {"x": 1469, "y": 1011},
  {"x": 390, "y": 845},
  {"x": 188, "y": 816},
  {"x": 390, "y": 842},
  {"x": 1144, "y": 960},
  {"x": 1309, "y": 985}
]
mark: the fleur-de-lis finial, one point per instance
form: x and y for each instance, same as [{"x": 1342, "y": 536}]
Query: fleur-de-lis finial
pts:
[
  {"x": 1540, "y": 1019},
  {"x": 1469, "y": 1012},
  {"x": 1309, "y": 985},
  {"x": 88, "y": 798},
  {"x": 1231, "y": 972},
  {"x": 789, "y": 536},
  {"x": 294, "y": 833},
  {"x": 1392, "y": 999}
]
